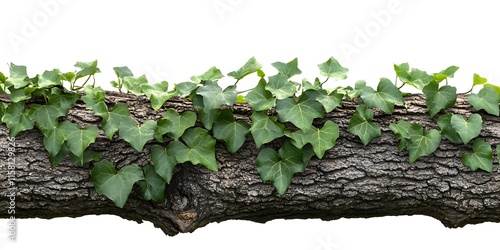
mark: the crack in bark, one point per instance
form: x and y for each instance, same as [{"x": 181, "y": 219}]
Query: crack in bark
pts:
[{"x": 350, "y": 181}]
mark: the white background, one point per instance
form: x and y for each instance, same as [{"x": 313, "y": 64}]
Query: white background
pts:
[{"x": 173, "y": 40}]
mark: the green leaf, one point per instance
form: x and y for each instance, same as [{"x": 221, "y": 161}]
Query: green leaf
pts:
[
  {"x": 158, "y": 94},
  {"x": 122, "y": 72},
  {"x": 18, "y": 95},
  {"x": 17, "y": 119},
  {"x": 87, "y": 69},
  {"x": 259, "y": 98},
  {"x": 301, "y": 113},
  {"x": 240, "y": 99},
  {"x": 361, "y": 125},
  {"x": 185, "y": 89},
  {"x": 111, "y": 119},
  {"x": 163, "y": 161},
  {"x": 199, "y": 148},
  {"x": 486, "y": 99},
  {"x": 174, "y": 124},
  {"x": 78, "y": 139},
  {"x": 62, "y": 101},
  {"x": 265, "y": 129},
  {"x": 495, "y": 87},
  {"x": 445, "y": 74},
  {"x": 482, "y": 158},
  {"x": 135, "y": 84},
  {"x": 320, "y": 139},
  {"x": 94, "y": 97},
  {"x": 439, "y": 99},
  {"x": 57, "y": 158},
  {"x": 478, "y": 80},
  {"x": 444, "y": 123},
  {"x": 416, "y": 78},
  {"x": 153, "y": 186},
  {"x": 250, "y": 67},
  {"x": 423, "y": 144},
  {"x": 230, "y": 131},
  {"x": 329, "y": 100},
  {"x": 115, "y": 185},
  {"x": 49, "y": 79},
  {"x": 45, "y": 116},
  {"x": 332, "y": 69},
  {"x": 206, "y": 116},
  {"x": 214, "y": 96},
  {"x": 281, "y": 87},
  {"x": 384, "y": 98},
  {"x": 306, "y": 85},
  {"x": 279, "y": 168},
  {"x": 137, "y": 136},
  {"x": 467, "y": 130},
  {"x": 54, "y": 141},
  {"x": 88, "y": 156},
  {"x": 403, "y": 131},
  {"x": 212, "y": 74},
  {"x": 18, "y": 76},
  {"x": 288, "y": 69}
]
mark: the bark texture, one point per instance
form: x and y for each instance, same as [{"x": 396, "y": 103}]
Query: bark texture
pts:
[{"x": 350, "y": 181}]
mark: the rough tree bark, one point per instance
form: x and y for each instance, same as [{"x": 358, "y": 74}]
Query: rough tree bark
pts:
[{"x": 350, "y": 181}]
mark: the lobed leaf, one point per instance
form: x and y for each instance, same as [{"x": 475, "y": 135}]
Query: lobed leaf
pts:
[
  {"x": 384, "y": 98},
  {"x": 320, "y": 139},
  {"x": 361, "y": 125},
  {"x": 301, "y": 113},
  {"x": 438, "y": 99},
  {"x": 259, "y": 98},
  {"x": 288, "y": 69},
  {"x": 137, "y": 135},
  {"x": 264, "y": 129},
  {"x": 230, "y": 131},
  {"x": 250, "y": 67},
  {"x": 481, "y": 158},
  {"x": 467, "y": 130},
  {"x": 487, "y": 99},
  {"x": 332, "y": 69},
  {"x": 198, "y": 148},
  {"x": 163, "y": 161},
  {"x": 173, "y": 125},
  {"x": 423, "y": 144},
  {"x": 153, "y": 186}
]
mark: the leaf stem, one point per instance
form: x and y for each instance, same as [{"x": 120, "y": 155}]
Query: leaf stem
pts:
[{"x": 328, "y": 78}]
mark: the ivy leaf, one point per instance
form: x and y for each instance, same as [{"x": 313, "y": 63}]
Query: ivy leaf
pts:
[
  {"x": 478, "y": 80},
  {"x": 482, "y": 158},
  {"x": 361, "y": 125},
  {"x": 280, "y": 86},
  {"x": 332, "y": 69},
  {"x": 416, "y": 78},
  {"x": 94, "y": 97},
  {"x": 158, "y": 94},
  {"x": 402, "y": 130},
  {"x": 250, "y": 67},
  {"x": 174, "y": 124},
  {"x": 212, "y": 74},
  {"x": 87, "y": 68},
  {"x": 54, "y": 141},
  {"x": 444, "y": 123},
  {"x": 137, "y": 136},
  {"x": 265, "y": 129},
  {"x": 78, "y": 139},
  {"x": 19, "y": 95},
  {"x": 423, "y": 144},
  {"x": 467, "y": 130},
  {"x": 115, "y": 185},
  {"x": 279, "y": 168},
  {"x": 439, "y": 99},
  {"x": 163, "y": 161},
  {"x": 320, "y": 139},
  {"x": 153, "y": 186},
  {"x": 230, "y": 131},
  {"x": 486, "y": 99},
  {"x": 111, "y": 119},
  {"x": 17, "y": 119},
  {"x": 62, "y": 101},
  {"x": 445, "y": 74},
  {"x": 306, "y": 85},
  {"x": 18, "y": 76},
  {"x": 185, "y": 89},
  {"x": 288, "y": 69},
  {"x": 122, "y": 72},
  {"x": 495, "y": 87},
  {"x": 329, "y": 101},
  {"x": 135, "y": 84},
  {"x": 301, "y": 113},
  {"x": 57, "y": 158},
  {"x": 214, "y": 96},
  {"x": 259, "y": 98},
  {"x": 49, "y": 79},
  {"x": 45, "y": 116},
  {"x": 88, "y": 156},
  {"x": 206, "y": 116},
  {"x": 199, "y": 148},
  {"x": 384, "y": 98}
]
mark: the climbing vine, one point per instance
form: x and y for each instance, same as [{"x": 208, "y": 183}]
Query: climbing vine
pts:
[{"x": 281, "y": 109}]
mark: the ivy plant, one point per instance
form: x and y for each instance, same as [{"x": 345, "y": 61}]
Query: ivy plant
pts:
[{"x": 289, "y": 124}]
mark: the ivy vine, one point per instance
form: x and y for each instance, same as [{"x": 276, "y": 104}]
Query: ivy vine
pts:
[{"x": 282, "y": 108}]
